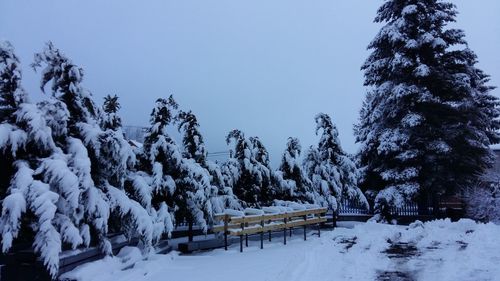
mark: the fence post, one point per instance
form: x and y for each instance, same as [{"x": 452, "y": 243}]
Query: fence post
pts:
[
  {"x": 241, "y": 237},
  {"x": 262, "y": 233},
  {"x": 226, "y": 219},
  {"x": 305, "y": 219},
  {"x": 284, "y": 230},
  {"x": 241, "y": 243},
  {"x": 319, "y": 224},
  {"x": 269, "y": 231},
  {"x": 334, "y": 218}
]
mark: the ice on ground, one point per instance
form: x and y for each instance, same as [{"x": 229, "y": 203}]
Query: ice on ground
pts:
[{"x": 438, "y": 250}]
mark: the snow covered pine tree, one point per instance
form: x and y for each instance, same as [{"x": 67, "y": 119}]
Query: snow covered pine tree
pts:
[
  {"x": 41, "y": 203},
  {"x": 131, "y": 212},
  {"x": 333, "y": 174},
  {"x": 98, "y": 157},
  {"x": 292, "y": 182},
  {"x": 177, "y": 181},
  {"x": 426, "y": 124},
  {"x": 248, "y": 170},
  {"x": 263, "y": 171},
  {"x": 221, "y": 195}
]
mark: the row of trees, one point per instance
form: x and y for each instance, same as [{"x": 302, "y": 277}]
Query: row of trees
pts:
[{"x": 69, "y": 177}]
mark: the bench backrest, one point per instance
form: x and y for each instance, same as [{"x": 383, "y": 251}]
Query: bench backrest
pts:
[{"x": 241, "y": 225}]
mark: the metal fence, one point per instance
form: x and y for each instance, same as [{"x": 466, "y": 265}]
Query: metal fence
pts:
[
  {"x": 356, "y": 207},
  {"x": 352, "y": 207}
]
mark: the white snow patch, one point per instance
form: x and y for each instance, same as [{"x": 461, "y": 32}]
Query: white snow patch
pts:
[{"x": 446, "y": 251}]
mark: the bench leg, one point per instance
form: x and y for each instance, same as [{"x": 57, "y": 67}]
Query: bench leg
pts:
[
  {"x": 291, "y": 230},
  {"x": 241, "y": 243},
  {"x": 305, "y": 233},
  {"x": 269, "y": 235},
  {"x": 284, "y": 236},
  {"x": 225, "y": 241},
  {"x": 246, "y": 240},
  {"x": 262, "y": 240}
]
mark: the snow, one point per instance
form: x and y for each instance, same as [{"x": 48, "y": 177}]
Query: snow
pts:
[
  {"x": 438, "y": 250},
  {"x": 409, "y": 10},
  {"x": 253, "y": 211},
  {"x": 234, "y": 213},
  {"x": 422, "y": 71}
]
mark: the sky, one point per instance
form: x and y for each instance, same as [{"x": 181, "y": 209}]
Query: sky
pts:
[{"x": 264, "y": 67}]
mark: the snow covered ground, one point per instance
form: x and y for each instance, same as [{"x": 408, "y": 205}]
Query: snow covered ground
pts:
[{"x": 438, "y": 250}]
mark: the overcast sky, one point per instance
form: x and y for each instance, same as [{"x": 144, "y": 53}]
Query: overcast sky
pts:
[{"x": 265, "y": 67}]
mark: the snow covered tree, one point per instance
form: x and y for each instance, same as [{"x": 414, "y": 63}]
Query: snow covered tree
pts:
[
  {"x": 314, "y": 170},
  {"x": 427, "y": 122},
  {"x": 98, "y": 157},
  {"x": 194, "y": 146},
  {"x": 41, "y": 200},
  {"x": 292, "y": 182},
  {"x": 483, "y": 201},
  {"x": 11, "y": 96},
  {"x": 221, "y": 195},
  {"x": 248, "y": 170},
  {"x": 10, "y": 78},
  {"x": 263, "y": 171},
  {"x": 110, "y": 119},
  {"x": 332, "y": 172},
  {"x": 177, "y": 181}
]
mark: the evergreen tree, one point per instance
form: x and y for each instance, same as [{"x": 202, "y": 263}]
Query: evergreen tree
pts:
[
  {"x": 12, "y": 95},
  {"x": 41, "y": 202},
  {"x": 221, "y": 195},
  {"x": 194, "y": 146},
  {"x": 177, "y": 181},
  {"x": 293, "y": 183},
  {"x": 110, "y": 119},
  {"x": 426, "y": 124},
  {"x": 241, "y": 170},
  {"x": 333, "y": 173},
  {"x": 313, "y": 169},
  {"x": 99, "y": 158},
  {"x": 263, "y": 171}
]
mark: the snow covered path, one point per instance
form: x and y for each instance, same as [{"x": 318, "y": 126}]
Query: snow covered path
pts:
[{"x": 437, "y": 250}]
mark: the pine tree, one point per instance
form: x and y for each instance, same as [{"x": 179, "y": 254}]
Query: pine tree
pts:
[
  {"x": 99, "y": 158},
  {"x": 177, "y": 181},
  {"x": 263, "y": 171},
  {"x": 12, "y": 95},
  {"x": 153, "y": 180},
  {"x": 247, "y": 170},
  {"x": 333, "y": 173},
  {"x": 110, "y": 119},
  {"x": 425, "y": 126},
  {"x": 221, "y": 195},
  {"x": 41, "y": 203},
  {"x": 313, "y": 170},
  {"x": 291, "y": 179}
]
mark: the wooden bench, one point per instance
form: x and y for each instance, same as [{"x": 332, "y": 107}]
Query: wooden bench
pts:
[{"x": 260, "y": 224}]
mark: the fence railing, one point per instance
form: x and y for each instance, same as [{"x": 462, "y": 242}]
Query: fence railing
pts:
[
  {"x": 355, "y": 207},
  {"x": 352, "y": 207},
  {"x": 408, "y": 209}
]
